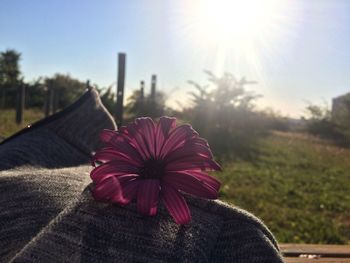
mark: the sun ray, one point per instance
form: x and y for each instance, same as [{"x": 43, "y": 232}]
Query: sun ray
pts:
[{"x": 238, "y": 30}]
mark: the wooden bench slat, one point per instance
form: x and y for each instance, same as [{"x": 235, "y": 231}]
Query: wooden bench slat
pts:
[{"x": 337, "y": 251}]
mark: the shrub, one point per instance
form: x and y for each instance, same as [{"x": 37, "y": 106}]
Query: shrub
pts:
[{"x": 225, "y": 115}]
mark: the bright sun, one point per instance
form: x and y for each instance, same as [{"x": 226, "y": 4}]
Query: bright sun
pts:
[
  {"x": 246, "y": 28},
  {"x": 237, "y": 21}
]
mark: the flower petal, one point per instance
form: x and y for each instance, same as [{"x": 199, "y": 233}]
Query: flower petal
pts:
[
  {"x": 106, "y": 135},
  {"x": 177, "y": 138},
  {"x": 129, "y": 184},
  {"x": 193, "y": 163},
  {"x": 106, "y": 189},
  {"x": 111, "y": 169},
  {"x": 201, "y": 141},
  {"x": 130, "y": 190},
  {"x": 190, "y": 184},
  {"x": 135, "y": 133},
  {"x": 189, "y": 150},
  {"x": 146, "y": 125},
  {"x": 109, "y": 154},
  {"x": 175, "y": 204},
  {"x": 210, "y": 180},
  {"x": 164, "y": 126},
  {"x": 123, "y": 144},
  {"x": 123, "y": 130},
  {"x": 147, "y": 197}
]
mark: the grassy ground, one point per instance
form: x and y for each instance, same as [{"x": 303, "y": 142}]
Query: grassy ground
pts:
[
  {"x": 8, "y": 125},
  {"x": 299, "y": 186}
]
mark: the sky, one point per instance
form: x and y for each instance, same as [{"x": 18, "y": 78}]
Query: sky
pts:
[{"x": 297, "y": 51}]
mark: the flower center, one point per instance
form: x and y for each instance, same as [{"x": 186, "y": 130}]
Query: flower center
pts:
[{"x": 152, "y": 169}]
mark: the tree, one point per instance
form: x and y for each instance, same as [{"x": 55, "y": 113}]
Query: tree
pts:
[
  {"x": 34, "y": 93},
  {"x": 65, "y": 89},
  {"x": 9, "y": 76},
  {"x": 320, "y": 122}
]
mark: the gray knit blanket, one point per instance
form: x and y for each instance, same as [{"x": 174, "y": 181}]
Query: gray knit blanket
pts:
[{"x": 47, "y": 213}]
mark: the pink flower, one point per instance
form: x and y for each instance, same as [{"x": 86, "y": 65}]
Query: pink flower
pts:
[{"x": 151, "y": 162}]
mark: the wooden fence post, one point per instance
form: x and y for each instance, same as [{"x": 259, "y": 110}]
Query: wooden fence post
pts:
[
  {"x": 120, "y": 88},
  {"x": 153, "y": 87},
  {"x": 142, "y": 97},
  {"x": 20, "y": 103},
  {"x": 55, "y": 99},
  {"x": 88, "y": 87},
  {"x": 142, "y": 90},
  {"x": 3, "y": 98},
  {"x": 47, "y": 102},
  {"x": 49, "y": 99}
]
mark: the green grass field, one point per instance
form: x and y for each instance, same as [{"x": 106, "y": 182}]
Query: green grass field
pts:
[
  {"x": 298, "y": 185},
  {"x": 8, "y": 125}
]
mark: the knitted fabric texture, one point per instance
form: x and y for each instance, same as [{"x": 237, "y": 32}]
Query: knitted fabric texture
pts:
[
  {"x": 61, "y": 140},
  {"x": 48, "y": 215}
]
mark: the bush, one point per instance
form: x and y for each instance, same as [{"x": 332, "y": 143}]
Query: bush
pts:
[
  {"x": 320, "y": 121},
  {"x": 140, "y": 105},
  {"x": 225, "y": 115}
]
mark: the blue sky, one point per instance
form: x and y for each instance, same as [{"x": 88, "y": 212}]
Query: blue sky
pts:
[{"x": 306, "y": 59}]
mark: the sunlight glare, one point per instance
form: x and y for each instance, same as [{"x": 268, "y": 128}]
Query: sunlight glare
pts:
[
  {"x": 240, "y": 31},
  {"x": 236, "y": 21}
]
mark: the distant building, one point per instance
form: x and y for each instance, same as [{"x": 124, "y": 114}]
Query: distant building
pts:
[{"x": 340, "y": 105}]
